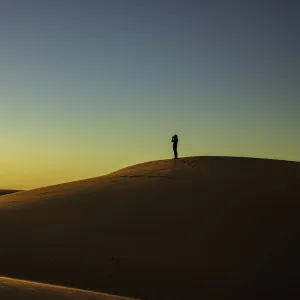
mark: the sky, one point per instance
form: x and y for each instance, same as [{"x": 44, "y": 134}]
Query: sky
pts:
[{"x": 91, "y": 86}]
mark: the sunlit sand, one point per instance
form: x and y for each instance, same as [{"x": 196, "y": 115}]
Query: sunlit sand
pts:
[{"x": 14, "y": 289}]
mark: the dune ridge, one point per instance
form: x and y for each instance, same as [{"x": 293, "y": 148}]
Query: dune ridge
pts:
[
  {"x": 6, "y": 192},
  {"x": 205, "y": 227},
  {"x": 16, "y": 289}
]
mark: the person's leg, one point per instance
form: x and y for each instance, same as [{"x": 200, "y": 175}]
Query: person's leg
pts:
[{"x": 175, "y": 152}]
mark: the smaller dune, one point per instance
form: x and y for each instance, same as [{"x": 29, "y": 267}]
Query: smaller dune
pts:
[
  {"x": 15, "y": 289},
  {"x": 6, "y": 192}
]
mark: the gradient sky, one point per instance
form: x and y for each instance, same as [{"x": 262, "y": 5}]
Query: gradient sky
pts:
[{"x": 91, "y": 86}]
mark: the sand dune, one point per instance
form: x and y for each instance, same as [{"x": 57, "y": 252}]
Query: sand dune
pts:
[
  {"x": 6, "y": 192},
  {"x": 195, "y": 228},
  {"x": 14, "y": 289}
]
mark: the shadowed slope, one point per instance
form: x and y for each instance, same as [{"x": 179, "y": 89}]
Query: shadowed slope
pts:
[
  {"x": 14, "y": 289},
  {"x": 211, "y": 227}
]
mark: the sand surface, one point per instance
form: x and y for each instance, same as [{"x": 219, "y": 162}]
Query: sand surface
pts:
[
  {"x": 193, "y": 228},
  {"x": 14, "y": 289}
]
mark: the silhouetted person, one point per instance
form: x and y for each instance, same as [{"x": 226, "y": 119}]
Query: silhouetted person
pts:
[{"x": 175, "y": 142}]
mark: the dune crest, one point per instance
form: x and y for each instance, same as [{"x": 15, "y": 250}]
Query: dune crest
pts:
[
  {"x": 6, "y": 192},
  {"x": 24, "y": 290}
]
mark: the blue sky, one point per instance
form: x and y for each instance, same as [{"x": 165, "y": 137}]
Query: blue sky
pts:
[{"x": 88, "y": 87}]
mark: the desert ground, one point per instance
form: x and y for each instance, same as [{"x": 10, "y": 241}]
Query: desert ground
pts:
[{"x": 192, "y": 228}]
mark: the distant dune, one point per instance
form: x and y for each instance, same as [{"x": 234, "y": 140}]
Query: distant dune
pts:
[
  {"x": 6, "y": 192},
  {"x": 13, "y": 289},
  {"x": 193, "y": 228}
]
